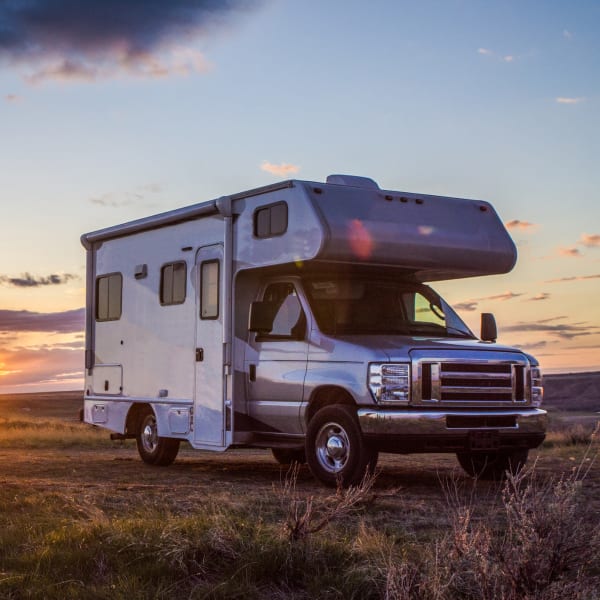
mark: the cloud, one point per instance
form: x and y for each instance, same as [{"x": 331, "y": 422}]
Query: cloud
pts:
[
  {"x": 70, "y": 40},
  {"x": 565, "y": 100},
  {"x": 573, "y": 278},
  {"x": 567, "y": 34},
  {"x": 571, "y": 252},
  {"x": 591, "y": 240},
  {"x": 27, "y": 281},
  {"x": 550, "y": 319},
  {"x": 538, "y": 297},
  {"x": 471, "y": 305},
  {"x": 69, "y": 321},
  {"x": 532, "y": 345},
  {"x": 12, "y": 98},
  {"x": 521, "y": 225},
  {"x": 117, "y": 200},
  {"x": 508, "y": 58},
  {"x": 281, "y": 170},
  {"x": 468, "y": 306},
  {"x": 564, "y": 330},
  {"x": 503, "y": 297}
]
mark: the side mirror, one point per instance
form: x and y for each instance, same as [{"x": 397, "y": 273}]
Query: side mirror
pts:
[
  {"x": 489, "y": 331},
  {"x": 261, "y": 317}
]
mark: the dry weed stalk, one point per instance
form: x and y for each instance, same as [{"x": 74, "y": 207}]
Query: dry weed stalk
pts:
[
  {"x": 542, "y": 548},
  {"x": 305, "y": 517}
]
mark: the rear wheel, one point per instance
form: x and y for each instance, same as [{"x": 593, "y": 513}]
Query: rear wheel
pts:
[
  {"x": 288, "y": 456},
  {"x": 335, "y": 449},
  {"x": 153, "y": 449},
  {"x": 492, "y": 465}
]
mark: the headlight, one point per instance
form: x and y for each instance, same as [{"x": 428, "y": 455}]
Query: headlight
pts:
[
  {"x": 390, "y": 383},
  {"x": 537, "y": 391}
]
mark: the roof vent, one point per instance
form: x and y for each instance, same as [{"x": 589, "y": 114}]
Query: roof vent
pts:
[{"x": 354, "y": 181}]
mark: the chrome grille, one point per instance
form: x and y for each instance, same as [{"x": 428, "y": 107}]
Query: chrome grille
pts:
[{"x": 458, "y": 382}]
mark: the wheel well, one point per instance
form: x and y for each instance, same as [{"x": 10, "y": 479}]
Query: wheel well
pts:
[
  {"x": 326, "y": 396},
  {"x": 134, "y": 416}
]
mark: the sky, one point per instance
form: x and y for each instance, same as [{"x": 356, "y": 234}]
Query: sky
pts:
[{"x": 113, "y": 110}]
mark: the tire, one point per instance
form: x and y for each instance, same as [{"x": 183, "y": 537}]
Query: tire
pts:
[
  {"x": 154, "y": 450},
  {"x": 335, "y": 449},
  {"x": 492, "y": 465},
  {"x": 288, "y": 456}
]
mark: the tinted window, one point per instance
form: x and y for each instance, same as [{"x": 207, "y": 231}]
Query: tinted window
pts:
[
  {"x": 109, "y": 291},
  {"x": 172, "y": 283},
  {"x": 271, "y": 220}
]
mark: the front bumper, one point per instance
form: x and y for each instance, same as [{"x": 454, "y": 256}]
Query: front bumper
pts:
[{"x": 451, "y": 430}]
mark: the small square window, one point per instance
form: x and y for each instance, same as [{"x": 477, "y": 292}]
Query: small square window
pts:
[
  {"x": 270, "y": 221},
  {"x": 173, "y": 283},
  {"x": 109, "y": 293}
]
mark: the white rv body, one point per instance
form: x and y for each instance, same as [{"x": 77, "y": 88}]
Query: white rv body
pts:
[{"x": 168, "y": 301}]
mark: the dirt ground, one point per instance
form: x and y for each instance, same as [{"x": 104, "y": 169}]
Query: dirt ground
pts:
[
  {"x": 111, "y": 476},
  {"x": 115, "y": 479}
]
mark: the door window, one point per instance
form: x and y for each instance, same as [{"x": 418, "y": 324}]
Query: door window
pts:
[
  {"x": 289, "y": 322},
  {"x": 209, "y": 290}
]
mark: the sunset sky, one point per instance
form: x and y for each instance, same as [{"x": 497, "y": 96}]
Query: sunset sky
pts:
[{"x": 114, "y": 110}]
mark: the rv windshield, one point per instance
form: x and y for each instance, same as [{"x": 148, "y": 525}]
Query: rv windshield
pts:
[{"x": 382, "y": 307}]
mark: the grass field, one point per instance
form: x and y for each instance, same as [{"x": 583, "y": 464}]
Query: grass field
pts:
[{"x": 83, "y": 517}]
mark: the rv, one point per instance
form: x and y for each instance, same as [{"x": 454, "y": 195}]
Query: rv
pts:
[{"x": 297, "y": 317}]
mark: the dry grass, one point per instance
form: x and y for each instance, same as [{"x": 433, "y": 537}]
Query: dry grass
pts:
[
  {"x": 81, "y": 517},
  {"x": 49, "y": 433},
  {"x": 305, "y": 516}
]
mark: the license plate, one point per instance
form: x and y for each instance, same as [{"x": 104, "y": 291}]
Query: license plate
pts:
[{"x": 484, "y": 440}]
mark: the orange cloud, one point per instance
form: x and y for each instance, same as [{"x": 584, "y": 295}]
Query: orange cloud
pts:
[
  {"x": 591, "y": 240},
  {"x": 570, "y": 252},
  {"x": 521, "y": 225},
  {"x": 503, "y": 297},
  {"x": 574, "y": 278},
  {"x": 540, "y": 296},
  {"x": 281, "y": 170}
]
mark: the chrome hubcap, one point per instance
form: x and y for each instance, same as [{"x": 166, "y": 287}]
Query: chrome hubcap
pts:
[
  {"x": 333, "y": 447},
  {"x": 149, "y": 434}
]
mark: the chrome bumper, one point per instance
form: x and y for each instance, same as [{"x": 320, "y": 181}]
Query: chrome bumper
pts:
[{"x": 377, "y": 421}]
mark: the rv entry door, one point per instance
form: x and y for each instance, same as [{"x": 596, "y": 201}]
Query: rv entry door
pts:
[{"x": 209, "y": 417}]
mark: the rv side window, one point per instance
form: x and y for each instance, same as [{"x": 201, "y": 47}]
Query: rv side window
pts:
[
  {"x": 109, "y": 291},
  {"x": 270, "y": 221},
  {"x": 209, "y": 289},
  {"x": 172, "y": 283}
]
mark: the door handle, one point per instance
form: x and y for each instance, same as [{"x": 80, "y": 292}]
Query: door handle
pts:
[{"x": 199, "y": 354}]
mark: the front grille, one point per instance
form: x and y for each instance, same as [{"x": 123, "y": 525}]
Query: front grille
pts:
[{"x": 466, "y": 382}]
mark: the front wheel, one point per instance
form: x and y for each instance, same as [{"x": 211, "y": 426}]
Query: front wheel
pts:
[
  {"x": 492, "y": 465},
  {"x": 153, "y": 449},
  {"x": 335, "y": 449}
]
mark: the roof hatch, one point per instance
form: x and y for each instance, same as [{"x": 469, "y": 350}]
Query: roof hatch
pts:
[{"x": 353, "y": 180}]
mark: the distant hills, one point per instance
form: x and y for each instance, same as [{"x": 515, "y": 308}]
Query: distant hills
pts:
[
  {"x": 573, "y": 391},
  {"x": 566, "y": 391}
]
